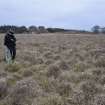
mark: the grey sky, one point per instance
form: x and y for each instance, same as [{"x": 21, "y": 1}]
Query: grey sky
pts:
[{"x": 53, "y": 13}]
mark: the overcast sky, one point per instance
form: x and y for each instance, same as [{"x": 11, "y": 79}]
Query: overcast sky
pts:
[{"x": 80, "y": 14}]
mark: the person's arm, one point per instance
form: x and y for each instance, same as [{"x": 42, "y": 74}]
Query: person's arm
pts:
[
  {"x": 5, "y": 39},
  {"x": 13, "y": 39}
]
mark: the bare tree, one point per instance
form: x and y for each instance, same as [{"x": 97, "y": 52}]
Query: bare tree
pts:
[
  {"x": 103, "y": 30},
  {"x": 33, "y": 29},
  {"x": 96, "y": 29}
]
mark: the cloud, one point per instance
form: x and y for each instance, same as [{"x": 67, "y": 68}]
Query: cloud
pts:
[{"x": 61, "y": 13}]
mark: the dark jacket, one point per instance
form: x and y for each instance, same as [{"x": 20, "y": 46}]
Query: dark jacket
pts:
[{"x": 10, "y": 40}]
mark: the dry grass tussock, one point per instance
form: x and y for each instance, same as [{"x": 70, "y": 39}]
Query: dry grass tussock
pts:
[{"x": 54, "y": 69}]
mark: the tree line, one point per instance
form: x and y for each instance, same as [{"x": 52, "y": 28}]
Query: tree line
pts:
[
  {"x": 30, "y": 29},
  {"x": 41, "y": 29},
  {"x": 22, "y": 29}
]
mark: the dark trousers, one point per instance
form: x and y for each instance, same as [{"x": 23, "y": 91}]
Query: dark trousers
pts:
[{"x": 13, "y": 52}]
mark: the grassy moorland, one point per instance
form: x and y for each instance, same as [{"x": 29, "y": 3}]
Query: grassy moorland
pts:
[{"x": 54, "y": 69}]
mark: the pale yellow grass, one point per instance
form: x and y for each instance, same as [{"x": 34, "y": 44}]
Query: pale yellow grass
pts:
[{"x": 62, "y": 69}]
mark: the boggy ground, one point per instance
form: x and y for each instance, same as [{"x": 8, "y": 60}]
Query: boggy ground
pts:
[{"x": 54, "y": 69}]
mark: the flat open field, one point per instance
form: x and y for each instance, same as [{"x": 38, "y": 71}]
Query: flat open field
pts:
[{"x": 54, "y": 69}]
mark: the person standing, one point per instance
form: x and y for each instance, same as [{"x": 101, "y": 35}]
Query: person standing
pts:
[{"x": 10, "y": 45}]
